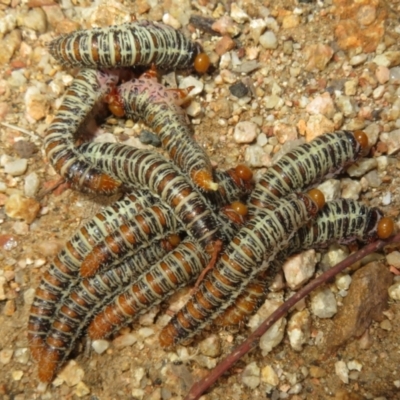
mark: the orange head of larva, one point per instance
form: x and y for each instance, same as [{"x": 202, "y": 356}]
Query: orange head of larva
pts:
[
  {"x": 201, "y": 63},
  {"x": 239, "y": 208},
  {"x": 317, "y": 196},
  {"x": 244, "y": 172},
  {"x": 115, "y": 104},
  {"x": 362, "y": 139},
  {"x": 385, "y": 228}
]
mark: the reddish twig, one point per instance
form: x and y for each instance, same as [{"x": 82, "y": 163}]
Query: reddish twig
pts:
[{"x": 200, "y": 387}]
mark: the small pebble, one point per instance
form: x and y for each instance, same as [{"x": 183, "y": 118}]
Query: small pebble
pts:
[
  {"x": 147, "y": 137},
  {"x": 211, "y": 346},
  {"x": 192, "y": 81},
  {"x": 22, "y": 355},
  {"x": 317, "y": 56},
  {"x": 81, "y": 390},
  {"x": 29, "y": 295},
  {"x": 238, "y": 15},
  {"x": 268, "y": 40},
  {"x": 245, "y": 132},
  {"x": 21, "y": 207},
  {"x": 358, "y": 59},
  {"x": 322, "y": 105},
  {"x": 9, "y": 44},
  {"x": 323, "y": 303},
  {"x": 300, "y": 268},
  {"x": 16, "y": 167},
  {"x": 251, "y": 375},
  {"x": 255, "y": 156},
  {"x": 351, "y": 189},
  {"x": 31, "y": 184},
  {"x": 354, "y": 365},
  {"x": 343, "y": 282},
  {"x": 393, "y": 258},
  {"x": 257, "y": 27},
  {"x": 17, "y": 375},
  {"x": 373, "y": 179},
  {"x": 275, "y": 334},
  {"x": 125, "y": 340},
  {"x": 386, "y": 198},
  {"x": 71, "y": 374},
  {"x": 100, "y": 346},
  {"x": 168, "y": 19},
  {"x": 330, "y": 189},
  {"x": 361, "y": 167},
  {"x": 239, "y": 89},
  {"x": 388, "y": 59},
  {"x": 392, "y": 140},
  {"x": 394, "y": 291},
  {"x": 5, "y": 356},
  {"x": 382, "y": 74},
  {"x": 341, "y": 371},
  {"x": 194, "y": 109},
  {"x": 299, "y": 328},
  {"x": 269, "y": 376},
  {"x": 25, "y": 149},
  {"x": 386, "y": 325}
]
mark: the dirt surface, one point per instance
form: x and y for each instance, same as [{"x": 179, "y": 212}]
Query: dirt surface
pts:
[{"x": 340, "y": 53}]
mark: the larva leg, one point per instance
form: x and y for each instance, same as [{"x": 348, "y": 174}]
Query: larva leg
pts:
[
  {"x": 88, "y": 87},
  {"x": 307, "y": 165},
  {"x": 262, "y": 237}
]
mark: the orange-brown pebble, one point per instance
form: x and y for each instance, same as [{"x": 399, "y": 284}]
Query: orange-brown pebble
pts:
[
  {"x": 116, "y": 109},
  {"x": 239, "y": 208},
  {"x": 244, "y": 172},
  {"x": 317, "y": 196},
  {"x": 201, "y": 63},
  {"x": 362, "y": 139},
  {"x": 385, "y": 228}
]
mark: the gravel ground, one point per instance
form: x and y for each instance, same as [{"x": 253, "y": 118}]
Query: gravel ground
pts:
[{"x": 281, "y": 71}]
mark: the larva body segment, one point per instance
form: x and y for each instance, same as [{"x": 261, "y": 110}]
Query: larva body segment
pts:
[
  {"x": 84, "y": 300},
  {"x": 63, "y": 272},
  {"x": 137, "y": 43},
  {"x": 304, "y": 166},
  {"x": 341, "y": 221},
  {"x": 86, "y": 90},
  {"x": 149, "y": 100},
  {"x": 261, "y": 238},
  {"x": 178, "y": 268}
]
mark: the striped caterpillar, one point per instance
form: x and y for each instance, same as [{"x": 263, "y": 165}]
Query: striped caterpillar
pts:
[
  {"x": 66, "y": 328},
  {"x": 341, "y": 221},
  {"x": 307, "y": 165},
  {"x": 137, "y": 43},
  {"x": 262, "y": 237},
  {"x": 126, "y": 45},
  {"x": 63, "y": 272},
  {"x": 147, "y": 99},
  {"x": 85, "y": 91}
]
